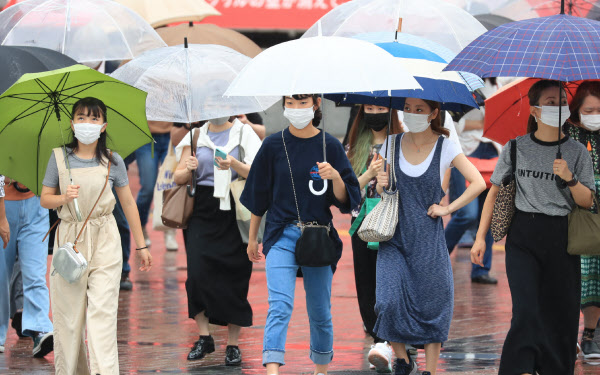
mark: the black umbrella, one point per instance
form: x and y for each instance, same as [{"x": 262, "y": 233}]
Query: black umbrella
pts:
[
  {"x": 18, "y": 60},
  {"x": 491, "y": 21}
]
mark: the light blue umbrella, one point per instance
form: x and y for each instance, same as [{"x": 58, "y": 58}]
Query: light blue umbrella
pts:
[
  {"x": 449, "y": 90},
  {"x": 473, "y": 82}
]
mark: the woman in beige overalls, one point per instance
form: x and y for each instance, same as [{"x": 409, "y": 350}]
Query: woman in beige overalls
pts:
[{"x": 92, "y": 301}]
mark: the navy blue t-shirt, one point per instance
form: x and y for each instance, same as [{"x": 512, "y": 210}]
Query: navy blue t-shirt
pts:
[{"x": 269, "y": 189}]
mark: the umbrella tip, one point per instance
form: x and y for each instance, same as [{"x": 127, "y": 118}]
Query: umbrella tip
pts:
[
  {"x": 185, "y": 42},
  {"x": 191, "y": 24}
]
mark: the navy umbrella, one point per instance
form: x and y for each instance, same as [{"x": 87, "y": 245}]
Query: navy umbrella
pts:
[
  {"x": 18, "y": 60},
  {"x": 561, "y": 47}
]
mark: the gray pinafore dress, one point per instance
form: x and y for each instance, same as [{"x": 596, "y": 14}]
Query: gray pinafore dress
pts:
[{"x": 415, "y": 288}]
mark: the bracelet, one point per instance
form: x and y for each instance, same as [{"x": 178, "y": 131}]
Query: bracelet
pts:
[{"x": 141, "y": 248}]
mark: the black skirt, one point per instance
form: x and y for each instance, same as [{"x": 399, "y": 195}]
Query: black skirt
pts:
[{"x": 218, "y": 269}]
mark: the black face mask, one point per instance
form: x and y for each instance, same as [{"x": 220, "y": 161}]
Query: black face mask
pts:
[{"x": 377, "y": 121}]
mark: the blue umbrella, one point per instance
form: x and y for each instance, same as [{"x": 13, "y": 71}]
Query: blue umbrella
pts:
[
  {"x": 450, "y": 90},
  {"x": 561, "y": 47},
  {"x": 472, "y": 81}
]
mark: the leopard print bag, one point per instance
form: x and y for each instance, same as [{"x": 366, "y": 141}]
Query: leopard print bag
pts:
[{"x": 504, "y": 207}]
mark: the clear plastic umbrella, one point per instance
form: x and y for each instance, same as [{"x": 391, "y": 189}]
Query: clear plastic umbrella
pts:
[
  {"x": 85, "y": 30},
  {"x": 187, "y": 84},
  {"x": 476, "y": 7},
  {"x": 436, "y": 20}
]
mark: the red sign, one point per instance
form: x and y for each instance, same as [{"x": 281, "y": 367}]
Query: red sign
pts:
[{"x": 270, "y": 14}]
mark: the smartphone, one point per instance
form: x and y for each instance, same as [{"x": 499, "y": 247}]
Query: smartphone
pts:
[{"x": 219, "y": 153}]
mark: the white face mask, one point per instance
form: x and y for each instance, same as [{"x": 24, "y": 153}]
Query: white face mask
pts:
[
  {"x": 87, "y": 133},
  {"x": 591, "y": 122},
  {"x": 549, "y": 115},
  {"x": 416, "y": 123},
  {"x": 299, "y": 117},
  {"x": 219, "y": 121}
]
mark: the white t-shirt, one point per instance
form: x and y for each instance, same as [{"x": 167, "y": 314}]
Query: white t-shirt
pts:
[{"x": 449, "y": 151}]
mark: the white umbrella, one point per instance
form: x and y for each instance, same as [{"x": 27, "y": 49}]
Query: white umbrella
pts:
[
  {"x": 187, "y": 84},
  {"x": 436, "y": 20},
  {"x": 476, "y": 7},
  {"x": 85, "y": 30},
  {"x": 321, "y": 65},
  {"x": 163, "y": 12}
]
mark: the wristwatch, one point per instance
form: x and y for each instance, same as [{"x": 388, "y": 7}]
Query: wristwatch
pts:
[{"x": 573, "y": 182}]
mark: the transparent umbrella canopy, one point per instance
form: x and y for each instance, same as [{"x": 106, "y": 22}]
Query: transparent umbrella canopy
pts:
[
  {"x": 85, "y": 30},
  {"x": 186, "y": 84},
  {"x": 436, "y": 20}
]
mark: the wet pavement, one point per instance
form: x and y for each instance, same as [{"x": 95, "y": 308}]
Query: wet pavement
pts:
[{"x": 154, "y": 333}]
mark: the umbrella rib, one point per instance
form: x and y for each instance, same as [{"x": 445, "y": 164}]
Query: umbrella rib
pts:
[
  {"x": 18, "y": 117},
  {"x": 120, "y": 31},
  {"x": 27, "y": 99}
]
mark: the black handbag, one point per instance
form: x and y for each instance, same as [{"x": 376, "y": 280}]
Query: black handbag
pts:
[{"x": 314, "y": 248}]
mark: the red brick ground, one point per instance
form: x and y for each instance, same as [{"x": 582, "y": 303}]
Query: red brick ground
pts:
[{"x": 155, "y": 334}]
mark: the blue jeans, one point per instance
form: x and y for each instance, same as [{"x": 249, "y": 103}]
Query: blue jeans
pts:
[
  {"x": 28, "y": 224},
  {"x": 148, "y": 169},
  {"x": 124, "y": 232},
  {"x": 469, "y": 215},
  {"x": 281, "y": 271}
]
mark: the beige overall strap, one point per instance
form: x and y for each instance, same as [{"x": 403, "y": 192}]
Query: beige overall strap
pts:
[{"x": 95, "y": 204}]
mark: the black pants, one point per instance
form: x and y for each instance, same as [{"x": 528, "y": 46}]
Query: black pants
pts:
[
  {"x": 365, "y": 266},
  {"x": 545, "y": 286}
]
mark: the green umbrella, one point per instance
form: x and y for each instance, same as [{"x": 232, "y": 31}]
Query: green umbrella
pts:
[{"x": 35, "y": 116}]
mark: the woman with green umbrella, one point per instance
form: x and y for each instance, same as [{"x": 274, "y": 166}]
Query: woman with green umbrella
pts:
[{"x": 93, "y": 299}]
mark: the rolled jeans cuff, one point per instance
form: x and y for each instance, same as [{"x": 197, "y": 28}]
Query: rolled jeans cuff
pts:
[
  {"x": 321, "y": 358},
  {"x": 273, "y": 356}
]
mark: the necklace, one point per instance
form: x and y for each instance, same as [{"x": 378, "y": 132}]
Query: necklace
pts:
[{"x": 417, "y": 147}]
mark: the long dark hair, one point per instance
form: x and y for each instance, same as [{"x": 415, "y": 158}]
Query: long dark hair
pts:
[
  {"x": 436, "y": 123},
  {"x": 534, "y": 95},
  {"x": 96, "y": 108},
  {"x": 360, "y": 139},
  {"x": 315, "y": 98},
  {"x": 587, "y": 88}
]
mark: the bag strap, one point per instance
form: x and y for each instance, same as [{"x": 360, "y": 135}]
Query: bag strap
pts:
[
  {"x": 513, "y": 155},
  {"x": 291, "y": 176},
  {"x": 95, "y": 204}
]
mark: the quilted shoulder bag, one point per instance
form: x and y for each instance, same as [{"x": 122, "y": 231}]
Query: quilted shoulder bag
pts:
[
  {"x": 504, "y": 207},
  {"x": 314, "y": 248},
  {"x": 178, "y": 205},
  {"x": 380, "y": 224},
  {"x": 66, "y": 259}
]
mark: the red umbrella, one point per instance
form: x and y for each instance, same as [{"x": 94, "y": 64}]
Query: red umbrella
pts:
[{"x": 507, "y": 111}]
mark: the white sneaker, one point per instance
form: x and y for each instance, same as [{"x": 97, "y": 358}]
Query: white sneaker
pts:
[
  {"x": 146, "y": 237},
  {"x": 380, "y": 356},
  {"x": 170, "y": 241}
]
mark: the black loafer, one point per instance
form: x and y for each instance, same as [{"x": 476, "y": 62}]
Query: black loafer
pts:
[
  {"x": 201, "y": 348},
  {"x": 233, "y": 356},
  {"x": 484, "y": 279}
]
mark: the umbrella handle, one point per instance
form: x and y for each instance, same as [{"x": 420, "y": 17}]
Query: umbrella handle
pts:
[
  {"x": 77, "y": 210},
  {"x": 191, "y": 190}
]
